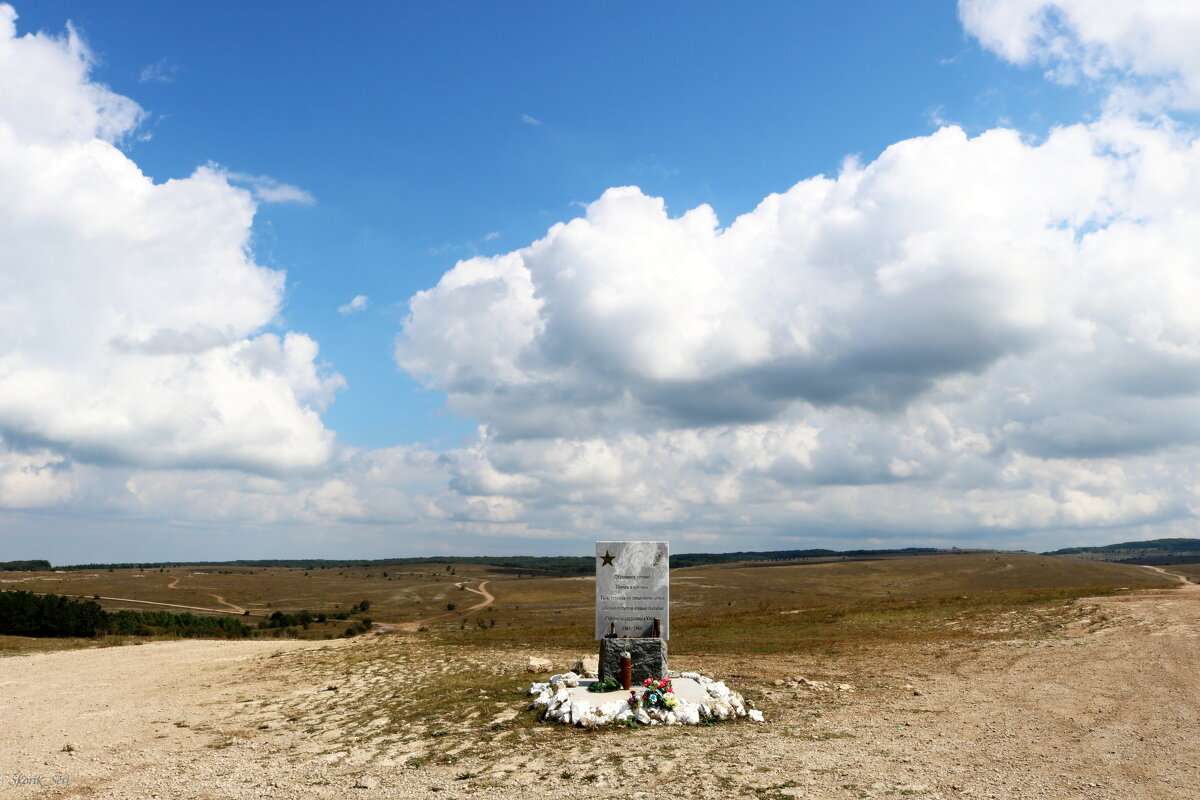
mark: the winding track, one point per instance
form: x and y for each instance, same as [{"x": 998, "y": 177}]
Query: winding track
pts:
[
  {"x": 412, "y": 627},
  {"x": 1185, "y": 583},
  {"x": 230, "y": 608},
  {"x": 156, "y": 603},
  {"x": 233, "y": 609}
]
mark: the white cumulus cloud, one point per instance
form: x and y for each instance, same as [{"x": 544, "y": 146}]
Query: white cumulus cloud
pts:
[
  {"x": 133, "y": 313},
  {"x": 360, "y": 302},
  {"x": 1145, "y": 48},
  {"x": 966, "y": 334},
  {"x": 985, "y": 338}
]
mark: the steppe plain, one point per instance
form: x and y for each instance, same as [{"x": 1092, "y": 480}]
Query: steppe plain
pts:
[{"x": 974, "y": 675}]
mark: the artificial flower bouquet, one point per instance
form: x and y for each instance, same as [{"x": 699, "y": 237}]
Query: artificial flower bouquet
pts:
[{"x": 656, "y": 694}]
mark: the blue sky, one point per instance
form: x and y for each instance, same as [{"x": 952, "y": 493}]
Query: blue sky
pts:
[{"x": 971, "y": 330}]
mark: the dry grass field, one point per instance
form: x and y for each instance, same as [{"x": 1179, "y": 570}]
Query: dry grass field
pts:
[
  {"x": 729, "y": 608},
  {"x": 1005, "y": 676},
  {"x": 781, "y": 608},
  {"x": 396, "y": 594},
  {"x": 1191, "y": 571}
]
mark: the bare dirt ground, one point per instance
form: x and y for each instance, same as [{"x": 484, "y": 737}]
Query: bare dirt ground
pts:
[{"x": 1097, "y": 698}]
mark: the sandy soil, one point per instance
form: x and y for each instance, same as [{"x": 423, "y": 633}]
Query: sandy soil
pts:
[{"x": 1107, "y": 706}]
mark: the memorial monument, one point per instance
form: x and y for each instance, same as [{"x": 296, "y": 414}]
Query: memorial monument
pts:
[
  {"x": 633, "y": 607},
  {"x": 633, "y": 619}
]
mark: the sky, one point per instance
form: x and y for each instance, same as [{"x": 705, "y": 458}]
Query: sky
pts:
[{"x": 479, "y": 278}]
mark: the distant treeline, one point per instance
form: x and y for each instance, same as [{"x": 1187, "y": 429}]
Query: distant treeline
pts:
[
  {"x": 33, "y": 565},
  {"x": 701, "y": 559},
  {"x": 533, "y": 565},
  {"x": 42, "y": 615},
  {"x": 1163, "y": 560},
  {"x": 559, "y": 565},
  {"x": 1163, "y": 545}
]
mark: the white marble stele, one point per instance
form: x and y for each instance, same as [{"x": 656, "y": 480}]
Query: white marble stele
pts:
[{"x": 632, "y": 588}]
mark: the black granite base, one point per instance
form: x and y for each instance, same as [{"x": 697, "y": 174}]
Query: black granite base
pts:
[{"x": 649, "y": 658}]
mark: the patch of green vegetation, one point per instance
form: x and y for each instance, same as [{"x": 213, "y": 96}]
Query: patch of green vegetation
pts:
[
  {"x": 32, "y": 565},
  {"x": 1190, "y": 545},
  {"x": 774, "y": 793},
  {"x": 52, "y": 615}
]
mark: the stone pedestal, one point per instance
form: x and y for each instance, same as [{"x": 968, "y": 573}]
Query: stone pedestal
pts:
[{"x": 649, "y": 658}]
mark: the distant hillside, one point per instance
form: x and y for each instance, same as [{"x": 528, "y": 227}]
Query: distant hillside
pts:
[
  {"x": 24, "y": 566},
  {"x": 1151, "y": 551},
  {"x": 549, "y": 565},
  {"x": 537, "y": 565},
  {"x": 701, "y": 559}
]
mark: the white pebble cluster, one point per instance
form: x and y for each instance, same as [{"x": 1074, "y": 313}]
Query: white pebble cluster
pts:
[{"x": 557, "y": 705}]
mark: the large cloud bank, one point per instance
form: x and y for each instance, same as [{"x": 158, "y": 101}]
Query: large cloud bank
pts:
[
  {"x": 985, "y": 336},
  {"x": 131, "y": 313},
  {"x": 979, "y": 333}
]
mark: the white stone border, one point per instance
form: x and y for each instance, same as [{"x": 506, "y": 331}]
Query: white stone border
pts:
[{"x": 557, "y": 704}]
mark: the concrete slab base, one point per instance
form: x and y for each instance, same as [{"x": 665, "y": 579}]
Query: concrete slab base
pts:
[{"x": 688, "y": 689}]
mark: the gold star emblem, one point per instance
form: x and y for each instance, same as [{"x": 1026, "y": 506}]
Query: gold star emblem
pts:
[{"x": 607, "y": 558}]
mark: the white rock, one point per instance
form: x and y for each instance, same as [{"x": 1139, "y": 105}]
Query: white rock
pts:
[
  {"x": 561, "y": 698},
  {"x": 689, "y": 715},
  {"x": 566, "y": 679},
  {"x": 642, "y": 717},
  {"x": 538, "y": 664},
  {"x": 756, "y": 715},
  {"x": 612, "y": 708},
  {"x": 579, "y": 710},
  {"x": 543, "y": 700},
  {"x": 587, "y": 665},
  {"x": 672, "y": 718},
  {"x": 717, "y": 689},
  {"x": 538, "y": 688}
]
